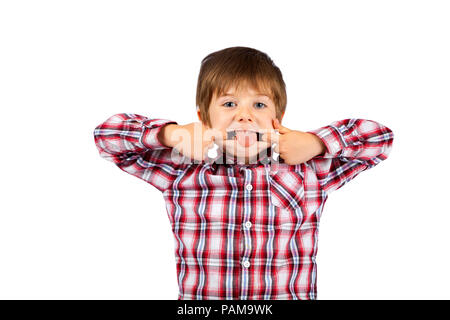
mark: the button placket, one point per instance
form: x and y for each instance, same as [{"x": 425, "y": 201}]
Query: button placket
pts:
[{"x": 247, "y": 224}]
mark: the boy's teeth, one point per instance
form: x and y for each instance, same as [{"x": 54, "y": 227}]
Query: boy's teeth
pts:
[{"x": 231, "y": 135}]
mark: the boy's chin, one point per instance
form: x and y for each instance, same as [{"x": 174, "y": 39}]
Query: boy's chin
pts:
[
  {"x": 237, "y": 153},
  {"x": 248, "y": 158}
]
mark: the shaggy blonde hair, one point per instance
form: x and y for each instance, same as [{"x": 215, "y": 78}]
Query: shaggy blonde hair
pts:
[{"x": 239, "y": 67}]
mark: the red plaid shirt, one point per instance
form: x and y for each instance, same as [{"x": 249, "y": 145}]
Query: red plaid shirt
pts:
[{"x": 244, "y": 231}]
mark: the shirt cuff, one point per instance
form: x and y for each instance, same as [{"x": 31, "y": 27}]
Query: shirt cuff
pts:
[
  {"x": 151, "y": 128},
  {"x": 332, "y": 138}
]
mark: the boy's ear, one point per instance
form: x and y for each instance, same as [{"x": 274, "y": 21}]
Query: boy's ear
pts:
[
  {"x": 281, "y": 118},
  {"x": 199, "y": 118},
  {"x": 198, "y": 114}
]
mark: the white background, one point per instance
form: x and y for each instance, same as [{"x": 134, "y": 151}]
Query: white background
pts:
[{"x": 74, "y": 226}]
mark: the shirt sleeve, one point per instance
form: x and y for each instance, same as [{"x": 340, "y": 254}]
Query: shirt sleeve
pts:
[
  {"x": 352, "y": 146},
  {"x": 131, "y": 142}
]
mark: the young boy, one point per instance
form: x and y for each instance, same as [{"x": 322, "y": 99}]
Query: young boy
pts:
[{"x": 246, "y": 227}]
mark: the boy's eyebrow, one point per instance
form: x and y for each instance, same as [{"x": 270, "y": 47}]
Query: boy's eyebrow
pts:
[{"x": 229, "y": 94}]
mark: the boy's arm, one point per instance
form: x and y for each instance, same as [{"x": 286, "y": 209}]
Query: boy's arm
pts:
[
  {"x": 133, "y": 143},
  {"x": 352, "y": 146}
]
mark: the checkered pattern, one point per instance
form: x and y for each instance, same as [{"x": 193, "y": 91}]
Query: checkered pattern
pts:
[{"x": 244, "y": 231}]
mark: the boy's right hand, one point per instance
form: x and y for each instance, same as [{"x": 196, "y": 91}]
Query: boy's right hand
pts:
[{"x": 192, "y": 140}]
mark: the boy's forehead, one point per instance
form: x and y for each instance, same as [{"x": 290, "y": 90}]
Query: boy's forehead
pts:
[{"x": 245, "y": 91}]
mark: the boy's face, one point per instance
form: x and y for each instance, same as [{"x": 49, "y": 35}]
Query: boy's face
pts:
[{"x": 243, "y": 113}]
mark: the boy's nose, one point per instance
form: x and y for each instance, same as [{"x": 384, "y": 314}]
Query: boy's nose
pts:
[
  {"x": 244, "y": 117},
  {"x": 244, "y": 114}
]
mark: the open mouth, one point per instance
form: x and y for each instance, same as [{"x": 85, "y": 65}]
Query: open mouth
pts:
[
  {"x": 245, "y": 138},
  {"x": 232, "y": 135}
]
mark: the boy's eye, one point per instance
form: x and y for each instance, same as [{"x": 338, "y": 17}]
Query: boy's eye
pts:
[
  {"x": 259, "y": 105},
  {"x": 227, "y": 102}
]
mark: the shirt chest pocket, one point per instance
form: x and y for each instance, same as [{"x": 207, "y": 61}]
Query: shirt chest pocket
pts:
[{"x": 286, "y": 190}]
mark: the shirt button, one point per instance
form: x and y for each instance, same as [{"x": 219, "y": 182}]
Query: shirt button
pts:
[
  {"x": 246, "y": 263},
  {"x": 248, "y": 224},
  {"x": 249, "y": 187}
]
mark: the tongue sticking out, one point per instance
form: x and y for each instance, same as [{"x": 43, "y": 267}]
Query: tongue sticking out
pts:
[{"x": 246, "y": 139}]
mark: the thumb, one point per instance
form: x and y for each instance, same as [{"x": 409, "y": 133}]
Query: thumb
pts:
[
  {"x": 220, "y": 135},
  {"x": 279, "y": 127}
]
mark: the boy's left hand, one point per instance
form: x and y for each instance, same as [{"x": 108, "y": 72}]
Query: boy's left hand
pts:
[{"x": 294, "y": 146}]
